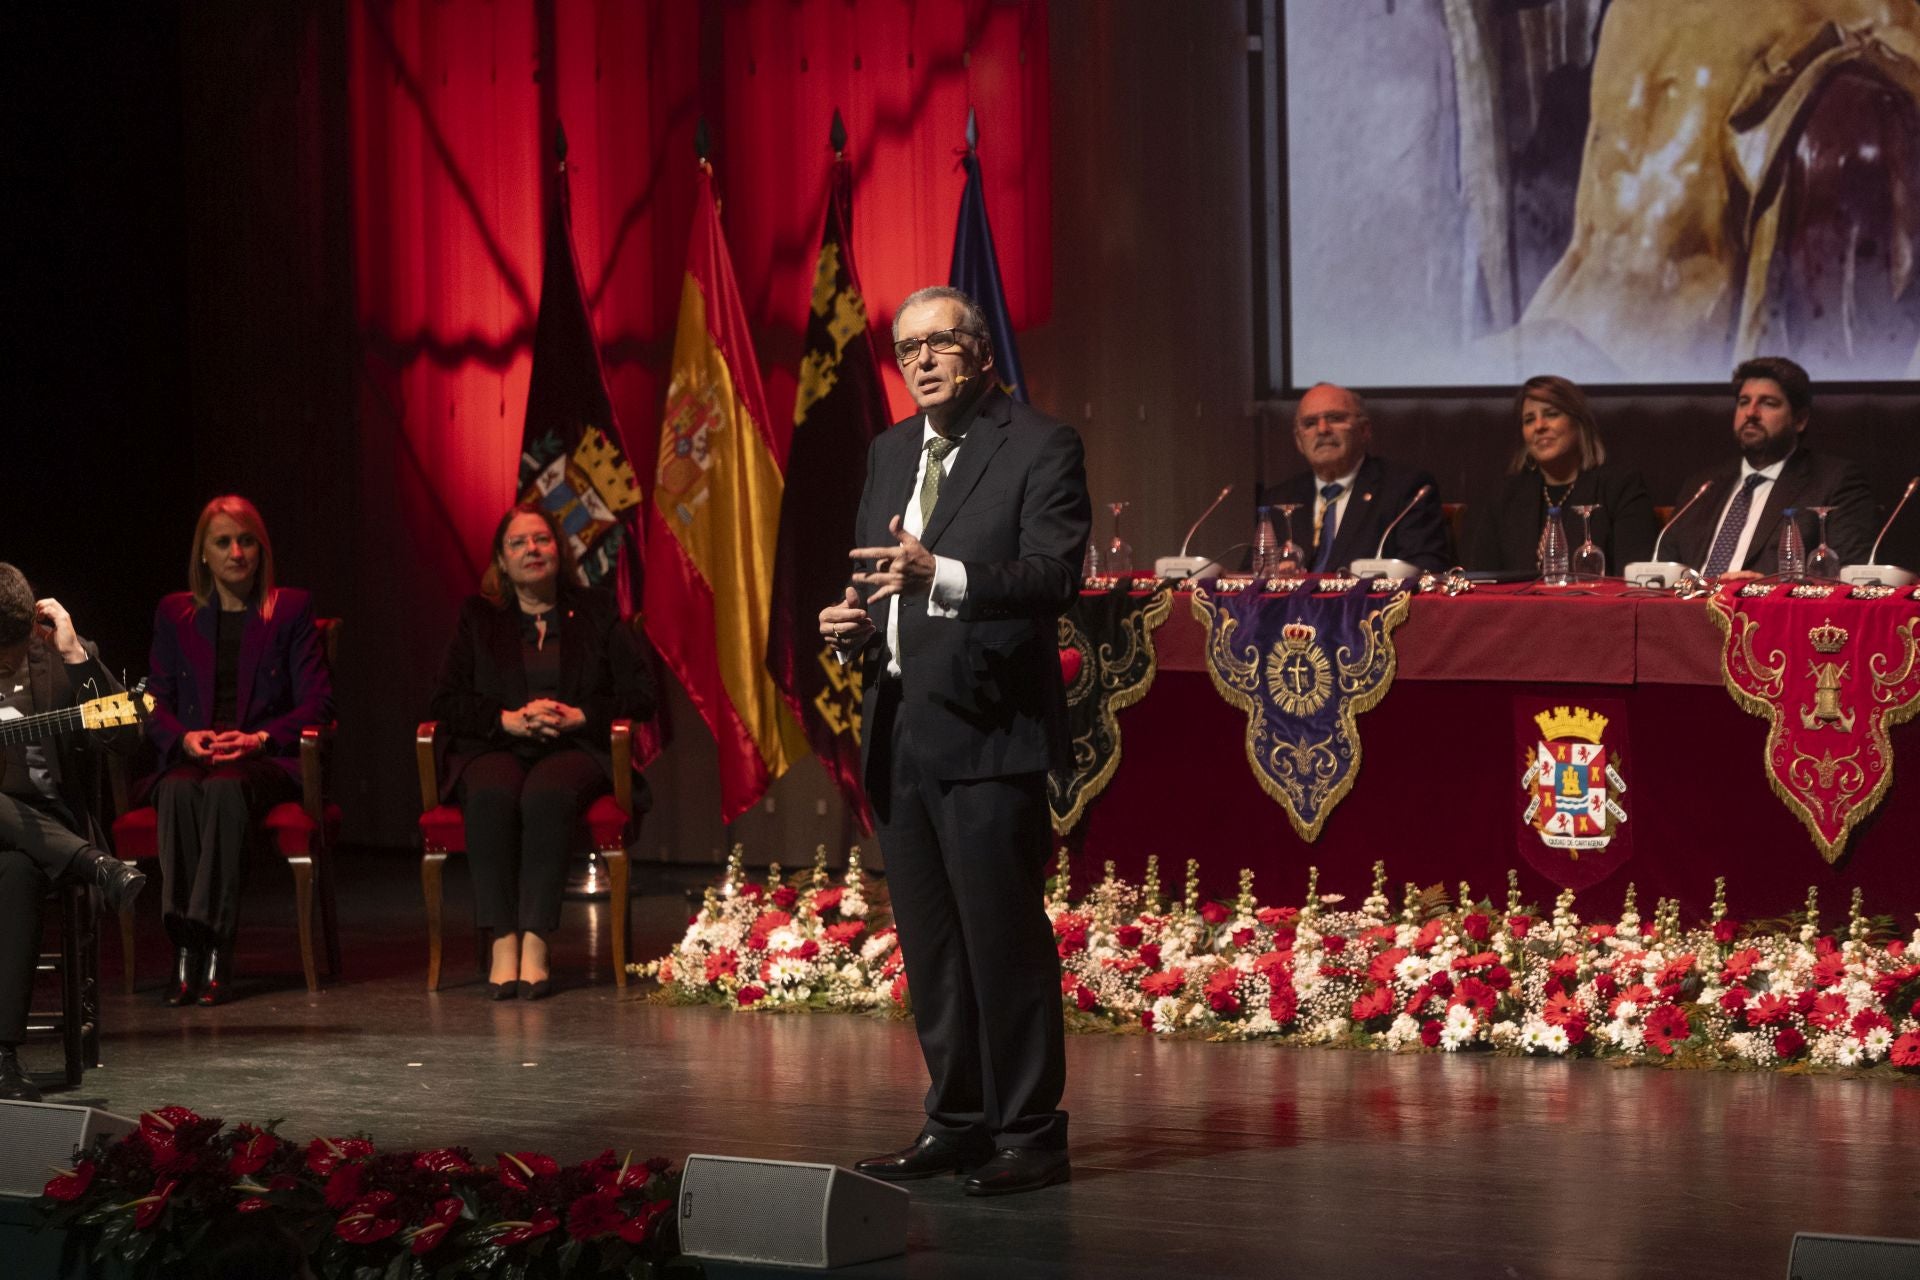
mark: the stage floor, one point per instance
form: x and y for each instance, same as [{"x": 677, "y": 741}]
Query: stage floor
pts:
[{"x": 1190, "y": 1159}]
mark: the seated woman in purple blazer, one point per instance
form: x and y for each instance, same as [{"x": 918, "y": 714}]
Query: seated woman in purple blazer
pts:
[
  {"x": 531, "y": 685},
  {"x": 237, "y": 671}
]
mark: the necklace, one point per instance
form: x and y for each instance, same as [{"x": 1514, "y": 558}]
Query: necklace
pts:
[{"x": 1556, "y": 499}]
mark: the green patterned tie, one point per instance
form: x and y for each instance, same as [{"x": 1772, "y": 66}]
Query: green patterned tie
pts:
[{"x": 937, "y": 450}]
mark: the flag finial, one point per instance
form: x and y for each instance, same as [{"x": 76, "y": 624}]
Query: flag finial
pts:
[
  {"x": 837, "y": 135},
  {"x": 973, "y": 131}
]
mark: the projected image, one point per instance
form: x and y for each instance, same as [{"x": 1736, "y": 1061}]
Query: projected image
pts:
[{"x": 1619, "y": 191}]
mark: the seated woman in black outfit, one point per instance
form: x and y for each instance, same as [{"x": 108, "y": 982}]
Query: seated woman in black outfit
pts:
[
  {"x": 531, "y": 685},
  {"x": 1560, "y": 462}
]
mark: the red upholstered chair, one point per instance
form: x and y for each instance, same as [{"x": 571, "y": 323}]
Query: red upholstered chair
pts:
[
  {"x": 603, "y": 829},
  {"x": 301, "y": 832}
]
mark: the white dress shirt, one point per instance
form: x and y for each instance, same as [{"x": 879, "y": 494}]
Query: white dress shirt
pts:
[
  {"x": 1760, "y": 491},
  {"x": 1338, "y": 505},
  {"x": 949, "y": 575}
]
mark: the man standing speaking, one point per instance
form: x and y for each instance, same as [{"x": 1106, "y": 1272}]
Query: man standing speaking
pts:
[{"x": 973, "y": 520}]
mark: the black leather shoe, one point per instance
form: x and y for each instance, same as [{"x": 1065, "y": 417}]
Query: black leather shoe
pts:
[
  {"x": 218, "y": 986},
  {"x": 1016, "y": 1169},
  {"x": 14, "y": 1085},
  {"x": 503, "y": 990},
  {"x": 928, "y": 1157},
  {"x": 119, "y": 882},
  {"x": 536, "y": 990},
  {"x": 188, "y": 964}
]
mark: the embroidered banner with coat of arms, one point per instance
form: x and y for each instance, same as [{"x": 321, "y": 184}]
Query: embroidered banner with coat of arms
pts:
[
  {"x": 1830, "y": 668},
  {"x": 1303, "y": 666},
  {"x": 1107, "y": 662},
  {"x": 1572, "y": 772}
]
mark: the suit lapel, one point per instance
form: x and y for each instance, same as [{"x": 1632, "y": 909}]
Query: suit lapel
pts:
[
  {"x": 1781, "y": 494},
  {"x": 897, "y": 466},
  {"x": 1349, "y": 539},
  {"x": 982, "y": 441},
  {"x": 197, "y": 638}
]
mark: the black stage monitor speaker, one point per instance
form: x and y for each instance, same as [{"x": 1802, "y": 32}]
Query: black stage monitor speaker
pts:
[
  {"x": 1821, "y": 1257},
  {"x": 37, "y": 1140},
  {"x": 805, "y": 1215}
]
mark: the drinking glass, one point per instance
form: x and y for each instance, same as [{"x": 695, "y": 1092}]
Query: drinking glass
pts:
[
  {"x": 1119, "y": 550},
  {"x": 1825, "y": 561},
  {"x": 1090, "y": 563},
  {"x": 1589, "y": 561},
  {"x": 1293, "y": 557},
  {"x": 1793, "y": 548},
  {"x": 1265, "y": 561}
]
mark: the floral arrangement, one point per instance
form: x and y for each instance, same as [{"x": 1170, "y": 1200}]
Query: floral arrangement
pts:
[
  {"x": 808, "y": 943},
  {"x": 150, "y": 1199},
  {"x": 1437, "y": 972}
]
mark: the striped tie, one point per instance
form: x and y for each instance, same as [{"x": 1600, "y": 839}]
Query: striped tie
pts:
[
  {"x": 1720, "y": 559},
  {"x": 1329, "y": 525}
]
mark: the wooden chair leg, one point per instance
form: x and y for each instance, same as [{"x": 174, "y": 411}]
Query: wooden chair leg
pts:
[
  {"x": 431, "y": 863},
  {"x": 72, "y": 1002},
  {"x": 616, "y": 860},
  {"x": 303, "y": 899},
  {"x": 126, "y": 948}
]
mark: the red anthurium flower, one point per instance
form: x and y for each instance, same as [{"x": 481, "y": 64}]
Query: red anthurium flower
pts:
[
  {"x": 71, "y": 1185},
  {"x": 1381, "y": 967},
  {"x": 324, "y": 1153},
  {"x": 543, "y": 1221},
  {"x": 251, "y": 1153},
  {"x": 161, "y": 1122},
  {"x": 1377, "y": 1003},
  {"x": 368, "y": 1221},
  {"x": 147, "y": 1209},
  {"x": 443, "y": 1160},
  {"x": 252, "y": 1204},
  {"x": 1906, "y": 1050},
  {"x": 345, "y": 1185},
  {"x": 1215, "y": 914},
  {"x": 1829, "y": 1011},
  {"x": 1788, "y": 1042},
  {"x": 594, "y": 1214},
  {"x": 519, "y": 1169},
  {"x": 639, "y": 1227},
  {"x": 427, "y": 1236}
]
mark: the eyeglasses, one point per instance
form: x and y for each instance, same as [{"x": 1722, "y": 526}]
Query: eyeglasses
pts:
[
  {"x": 943, "y": 342},
  {"x": 520, "y": 542}
]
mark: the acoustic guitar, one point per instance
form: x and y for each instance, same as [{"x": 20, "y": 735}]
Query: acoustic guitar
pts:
[{"x": 131, "y": 707}]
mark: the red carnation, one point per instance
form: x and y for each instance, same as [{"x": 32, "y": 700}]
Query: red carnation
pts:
[
  {"x": 1442, "y": 985},
  {"x": 1128, "y": 936},
  {"x": 543, "y": 1221},
  {"x": 1272, "y": 965},
  {"x": 1897, "y": 948},
  {"x": 1150, "y": 954},
  {"x": 1803, "y": 1001},
  {"x": 1677, "y": 969},
  {"x": 751, "y": 891},
  {"x": 1376, "y": 1003},
  {"x": 749, "y": 995},
  {"x": 1497, "y": 977},
  {"x": 1163, "y": 984},
  {"x": 1213, "y": 913},
  {"x": 1224, "y": 1003},
  {"x": 1564, "y": 967},
  {"x": 1519, "y": 926},
  {"x": 1067, "y": 922},
  {"x": 1769, "y": 1008},
  {"x": 1146, "y": 1019},
  {"x": 594, "y": 1214},
  {"x": 1906, "y": 1050},
  {"x": 1604, "y": 986},
  {"x": 1430, "y": 1033},
  {"x": 1282, "y": 1003},
  {"x": 70, "y": 1186},
  {"x": 1788, "y": 1042},
  {"x": 1274, "y": 917},
  {"x": 1599, "y": 932},
  {"x": 1477, "y": 926},
  {"x": 1333, "y": 944}
]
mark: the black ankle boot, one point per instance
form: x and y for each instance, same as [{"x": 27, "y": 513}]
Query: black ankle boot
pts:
[
  {"x": 119, "y": 882},
  {"x": 218, "y": 985},
  {"x": 14, "y": 1085},
  {"x": 188, "y": 964}
]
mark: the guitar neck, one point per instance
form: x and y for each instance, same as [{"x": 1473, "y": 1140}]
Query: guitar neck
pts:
[{"x": 46, "y": 724}]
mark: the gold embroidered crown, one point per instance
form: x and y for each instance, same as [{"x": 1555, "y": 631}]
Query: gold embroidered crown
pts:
[
  {"x": 1571, "y": 722},
  {"x": 1297, "y": 635},
  {"x": 1828, "y": 638},
  {"x": 607, "y": 469}
]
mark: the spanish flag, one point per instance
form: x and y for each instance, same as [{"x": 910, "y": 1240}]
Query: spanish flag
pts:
[{"x": 714, "y": 522}]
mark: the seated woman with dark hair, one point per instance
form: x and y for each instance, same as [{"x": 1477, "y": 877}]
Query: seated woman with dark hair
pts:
[
  {"x": 237, "y": 672},
  {"x": 535, "y": 676},
  {"x": 1561, "y": 462}
]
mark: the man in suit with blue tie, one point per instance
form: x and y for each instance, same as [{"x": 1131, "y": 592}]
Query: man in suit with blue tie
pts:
[
  {"x": 1354, "y": 495},
  {"x": 973, "y": 521}
]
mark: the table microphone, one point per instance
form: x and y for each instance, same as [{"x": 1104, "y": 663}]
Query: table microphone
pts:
[
  {"x": 1388, "y": 568},
  {"x": 1184, "y": 565},
  {"x": 1873, "y": 573},
  {"x": 1656, "y": 572}
]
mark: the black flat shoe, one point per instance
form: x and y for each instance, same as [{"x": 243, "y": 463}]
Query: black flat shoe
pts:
[
  {"x": 218, "y": 986},
  {"x": 503, "y": 990},
  {"x": 536, "y": 990},
  {"x": 1016, "y": 1169},
  {"x": 14, "y": 1085},
  {"x": 188, "y": 965},
  {"x": 928, "y": 1157}
]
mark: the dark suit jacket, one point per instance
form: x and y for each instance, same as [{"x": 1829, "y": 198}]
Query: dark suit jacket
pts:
[
  {"x": 603, "y": 671},
  {"x": 1379, "y": 492},
  {"x": 1808, "y": 479},
  {"x": 981, "y": 693},
  {"x": 282, "y": 684},
  {"x": 1504, "y": 533},
  {"x": 54, "y": 685}
]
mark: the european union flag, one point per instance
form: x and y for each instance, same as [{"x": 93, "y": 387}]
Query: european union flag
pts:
[{"x": 976, "y": 272}]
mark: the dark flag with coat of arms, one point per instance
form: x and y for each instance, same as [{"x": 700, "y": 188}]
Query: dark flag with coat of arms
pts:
[
  {"x": 976, "y": 269},
  {"x": 841, "y": 407}
]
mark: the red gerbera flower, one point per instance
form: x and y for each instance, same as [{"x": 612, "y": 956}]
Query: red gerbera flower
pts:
[
  {"x": 827, "y": 899},
  {"x": 1905, "y": 1051},
  {"x": 1381, "y": 967},
  {"x": 1665, "y": 1025},
  {"x": 1868, "y": 1020},
  {"x": 1769, "y": 1008},
  {"x": 1163, "y": 984},
  {"x": 1475, "y": 995},
  {"x": 1829, "y": 1011},
  {"x": 1376, "y": 1003}
]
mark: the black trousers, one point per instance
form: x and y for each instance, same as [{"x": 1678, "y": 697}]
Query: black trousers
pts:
[
  {"x": 23, "y": 885},
  {"x": 209, "y": 820},
  {"x": 43, "y": 830},
  {"x": 967, "y": 870},
  {"x": 521, "y": 813}
]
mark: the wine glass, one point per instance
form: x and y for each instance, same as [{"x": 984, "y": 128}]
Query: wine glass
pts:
[
  {"x": 1825, "y": 561},
  {"x": 1589, "y": 561},
  {"x": 1119, "y": 550},
  {"x": 1293, "y": 557}
]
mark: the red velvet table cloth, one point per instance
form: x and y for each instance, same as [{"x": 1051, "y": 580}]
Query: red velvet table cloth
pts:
[{"x": 1439, "y": 796}]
